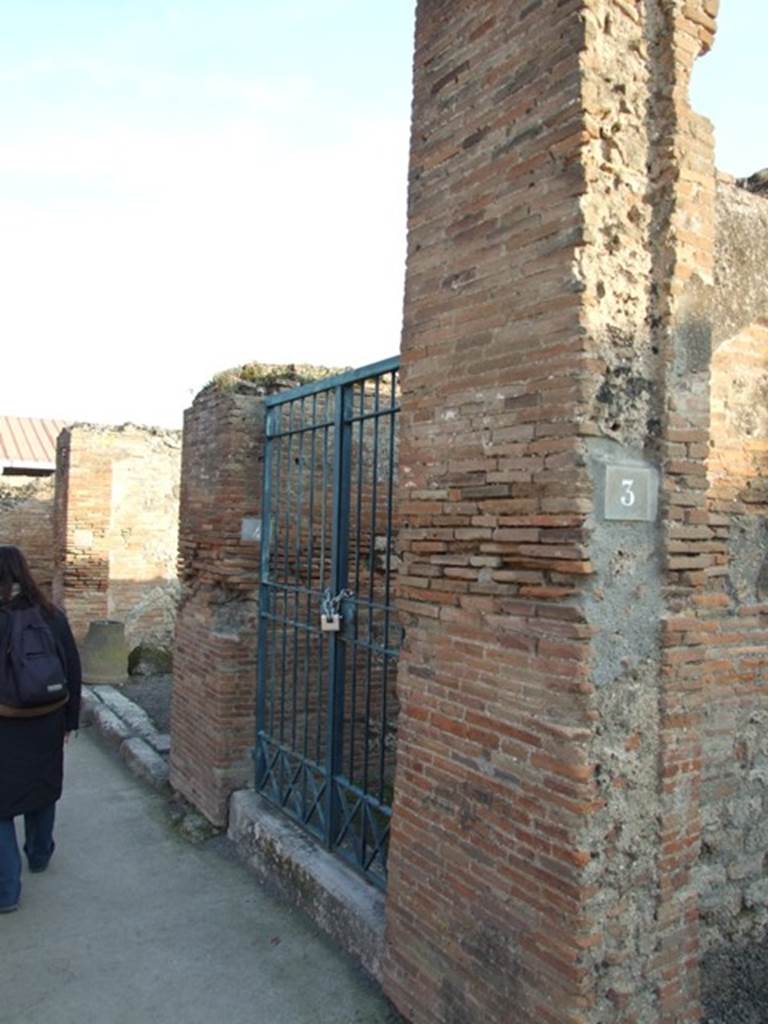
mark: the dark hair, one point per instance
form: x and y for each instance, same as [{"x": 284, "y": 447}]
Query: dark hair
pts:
[{"x": 14, "y": 571}]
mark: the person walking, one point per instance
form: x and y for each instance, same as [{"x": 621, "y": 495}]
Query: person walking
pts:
[{"x": 32, "y": 738}]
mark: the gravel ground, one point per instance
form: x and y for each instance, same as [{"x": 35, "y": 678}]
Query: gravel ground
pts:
[
  {"x": 735, "y": 985},
  {"x": 153, "y": 694}
]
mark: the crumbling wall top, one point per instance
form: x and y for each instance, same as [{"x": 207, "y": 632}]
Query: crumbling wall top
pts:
[
  {"x": 269, "y": 378},
  {"x": 165, "y": 434}
]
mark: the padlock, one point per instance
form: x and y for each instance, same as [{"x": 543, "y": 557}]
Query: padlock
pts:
[{"x": 330, "y": 623}]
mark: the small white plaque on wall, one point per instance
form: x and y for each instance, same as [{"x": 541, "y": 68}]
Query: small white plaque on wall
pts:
[
  {"x": 83, "y": 539},
  {"x": 250, "y": 529},
  {"x": 631, "y": 492}
]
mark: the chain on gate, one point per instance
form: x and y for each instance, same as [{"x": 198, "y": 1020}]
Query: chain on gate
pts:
[{"x": 328, "y": 635}]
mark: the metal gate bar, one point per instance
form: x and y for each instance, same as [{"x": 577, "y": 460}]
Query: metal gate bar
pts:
[{"x": 326, "y": 706}]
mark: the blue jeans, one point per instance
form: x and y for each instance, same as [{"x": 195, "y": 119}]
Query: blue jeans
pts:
[{"x": 38, "y": 846}]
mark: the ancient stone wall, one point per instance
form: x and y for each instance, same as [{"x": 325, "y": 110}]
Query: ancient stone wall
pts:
[
  {"x": 487, "y": 883},
  {"x": 212, "y": 715},
  {"x": 557, "y": 327},
  {"x": 213, "y": 706},
  {"x": 26, "y": 520},
  {"x": 645, "y": 597},
  {"x": 732, "y": 874},
  {"x": 213, "y": 718},
  {"x": 116, "y": 522},
  {"x": 580, "y": 799}
]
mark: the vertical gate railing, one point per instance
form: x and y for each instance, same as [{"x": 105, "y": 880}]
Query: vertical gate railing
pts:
[{"x": 328, "y": 635}]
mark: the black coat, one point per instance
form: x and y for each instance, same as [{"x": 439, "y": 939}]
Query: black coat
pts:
[{"x": 32, "y": 749}]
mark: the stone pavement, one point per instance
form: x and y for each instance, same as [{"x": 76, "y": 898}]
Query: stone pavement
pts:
[{"x": 132, "y": 923}]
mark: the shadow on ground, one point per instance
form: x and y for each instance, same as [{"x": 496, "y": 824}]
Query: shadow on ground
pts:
[{"x": 153, "y": 694}]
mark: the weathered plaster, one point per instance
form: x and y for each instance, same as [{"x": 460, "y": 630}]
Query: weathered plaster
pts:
[{"x": 741, "y": 260}]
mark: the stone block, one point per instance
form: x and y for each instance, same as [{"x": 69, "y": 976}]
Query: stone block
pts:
[
  {"x": 145, "y": 762},
  {"x": 343, "y": 905}
]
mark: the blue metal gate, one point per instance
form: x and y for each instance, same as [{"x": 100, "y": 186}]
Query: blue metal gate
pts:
[{"x": 328, "y": 636}]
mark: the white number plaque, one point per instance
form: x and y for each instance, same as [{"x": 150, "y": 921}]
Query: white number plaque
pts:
[{"x": 630, "y": 493}]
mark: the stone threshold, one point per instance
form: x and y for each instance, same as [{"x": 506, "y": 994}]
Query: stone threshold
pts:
[{"x": 341, "y": 903}]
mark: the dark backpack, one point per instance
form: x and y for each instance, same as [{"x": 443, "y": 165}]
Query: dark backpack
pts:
[{"x": 31, "y": 669}]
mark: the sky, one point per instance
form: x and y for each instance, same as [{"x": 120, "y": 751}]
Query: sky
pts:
[{"x": 189, "y": 185}]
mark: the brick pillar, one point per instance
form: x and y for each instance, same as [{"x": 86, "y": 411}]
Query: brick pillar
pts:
[
  {"x": 213, "y": 716},
  {"x": 557, "y": 289},
  {"x": 487, "y": 882},
  {"x": 82, "y": 513},
  {"x": 683, "y": 194}
]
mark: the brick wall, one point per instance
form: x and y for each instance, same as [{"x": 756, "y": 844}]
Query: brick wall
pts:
[
  {"x": 487, "y": 887},
  {"x": 116, "y": 528},
  {"x": 731, "y": 875},
  {"x": 579, "y": 805},
  {"x": 213, "y": 717},
  {"x": 738, "y": 461},
  {"x": 213, "y": 714},
  {"x": 26, "y": 520},
  {"x": 557, "y": 321},
  {"x": 81, "y": 524}
]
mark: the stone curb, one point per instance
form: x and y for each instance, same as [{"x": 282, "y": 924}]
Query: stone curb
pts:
[
  {"x": 280, "y": 854},
  {"x": 127, "y": 729}
]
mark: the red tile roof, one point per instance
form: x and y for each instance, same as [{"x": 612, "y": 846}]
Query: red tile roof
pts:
[{"x": 27, "y": 443}]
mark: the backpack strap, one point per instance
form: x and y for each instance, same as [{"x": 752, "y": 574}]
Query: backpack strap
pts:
[{"x": 6, "y": 711}]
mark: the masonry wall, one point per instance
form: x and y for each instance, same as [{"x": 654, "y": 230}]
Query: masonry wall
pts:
[
  {"x": 732, "y": 872},
  {"x": 26, "y": 520},
  {"x": 580, "y": 790},
  {"x": 213, "y": 704},
  {"x": 485, "y": 906},
  {"x": 732, "y": 875},
  {"x": 653, "y": 586},
  {"x": 557, "y": 322},
  {"x": 213, "y": 720},
  {"x": 117, "y": 497}
]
